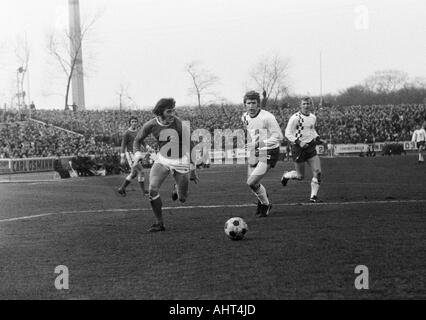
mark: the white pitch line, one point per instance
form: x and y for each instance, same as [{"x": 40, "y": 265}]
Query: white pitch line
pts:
[{"x": 244, "y": 205}]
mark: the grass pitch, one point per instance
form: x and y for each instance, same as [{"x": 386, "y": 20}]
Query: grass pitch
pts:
[{"x": 374, "y": 214}]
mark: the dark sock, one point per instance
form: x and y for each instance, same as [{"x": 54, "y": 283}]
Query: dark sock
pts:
[
  {"x": 156, "y": 207},
  {"x": 142, "y": 185},
  {"x": 125, "y": 184}
]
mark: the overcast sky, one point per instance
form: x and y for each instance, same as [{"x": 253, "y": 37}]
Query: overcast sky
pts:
[{"x": 145, "y": 44}]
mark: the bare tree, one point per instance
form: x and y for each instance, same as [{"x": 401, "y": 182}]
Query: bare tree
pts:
[
  {"x": 66, "y": 48},
  {"x": 417, "y": 82},
  {"x": 270, "y": 75},
  {"x": 202, "y": 80},
  {"x": 386, "y": 81},
  {"x": 124, "y": 97}
]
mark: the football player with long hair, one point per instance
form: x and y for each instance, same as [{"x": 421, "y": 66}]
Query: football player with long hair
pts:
[{"x": 174, "y": 156}]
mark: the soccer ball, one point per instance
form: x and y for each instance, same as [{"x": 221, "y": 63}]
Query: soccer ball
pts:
[{"x": 236, "y": 228}]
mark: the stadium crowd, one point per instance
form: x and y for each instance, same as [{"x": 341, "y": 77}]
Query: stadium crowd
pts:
[
  {"x": 102, "y": 130},
  {"x": 340, "y": 124},
  {"x": 30, "y": 139}
]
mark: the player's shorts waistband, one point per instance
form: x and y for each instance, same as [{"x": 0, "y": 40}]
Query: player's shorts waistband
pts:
[{"x": 178, "y": 164}]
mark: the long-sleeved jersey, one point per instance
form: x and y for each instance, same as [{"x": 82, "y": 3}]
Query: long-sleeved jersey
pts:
[
  {"x": 164, "y": 134},
  {"x": 419, "y": 135},
  {"x": 301, "y": 128},
  {"x": 264, "y": 129},
  {"x": 127, "y": 141}
]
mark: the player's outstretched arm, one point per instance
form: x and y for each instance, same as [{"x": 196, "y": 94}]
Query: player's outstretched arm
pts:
[
  {"x": 122, "y": 149},
  {"x": 139, "y": 142},
  {"x": 193, "y": 176}
]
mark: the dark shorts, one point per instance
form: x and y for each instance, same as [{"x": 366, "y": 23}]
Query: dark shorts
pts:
[
  {"x": 303, "y": 154},
  {"x": 272, "y": 157},
  {"x": 420, "y": 144}
]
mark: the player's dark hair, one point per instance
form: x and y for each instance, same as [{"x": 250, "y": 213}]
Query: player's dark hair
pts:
[
  {"x": 307, "y": 99},
  {"x": 163, "y": 104},
  {"x": 251, "y": 95},
  {"x": 133, "y": 118}
]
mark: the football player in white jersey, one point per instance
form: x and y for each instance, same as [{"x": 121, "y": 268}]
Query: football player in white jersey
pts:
[
  {"x": 301, "y": 132},
  {"x": 265, "y": 135},
  {"x": 419, "y": 137}
]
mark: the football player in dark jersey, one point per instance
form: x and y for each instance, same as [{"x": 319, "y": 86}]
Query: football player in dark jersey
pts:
[
  {"x": 174, "y": 156},
  {"x": 136, "y": 169}
]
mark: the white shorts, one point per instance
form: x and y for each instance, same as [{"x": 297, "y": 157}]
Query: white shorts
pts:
[
  {"x": 180, "y": 165},
  {"x": 131, "y": 159}
]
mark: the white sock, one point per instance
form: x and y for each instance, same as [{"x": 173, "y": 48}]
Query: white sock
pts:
[
  {"x": 314, "y": 187},
  {"x": 261, "y": 195},
  {"x": 290, "y": 174},
  {"x": 421, "y": 157}
]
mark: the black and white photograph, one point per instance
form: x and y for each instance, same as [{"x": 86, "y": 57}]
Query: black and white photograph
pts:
[{"x": 225, "y": 151}]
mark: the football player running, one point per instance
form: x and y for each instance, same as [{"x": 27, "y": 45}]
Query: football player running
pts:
[
  {"x": 419, "y": 137},
  {"x": 300, "y": 131},
  {"x": 173, "y": 158},
  {"x": 136, "y": 169},
  {"x": 266, "y": 136}
]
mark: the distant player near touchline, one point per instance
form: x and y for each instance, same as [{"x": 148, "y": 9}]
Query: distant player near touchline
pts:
[
  {"x": 419, "y": 137},
  {"x": 266, "y": 137},
  {"x": 301, "y": 132},
  {"x": 126, "y": 151},
  {"x": 178, "y": 161}
]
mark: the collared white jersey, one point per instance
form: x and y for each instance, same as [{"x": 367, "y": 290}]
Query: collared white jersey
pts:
[
  {"x": 419, "y": 135},
  {"x": 301, "y": 127},
  {"x": 263, "y": 128}
]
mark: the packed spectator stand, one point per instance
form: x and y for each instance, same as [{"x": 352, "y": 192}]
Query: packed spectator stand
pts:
[{"x": 101, "y": 131}]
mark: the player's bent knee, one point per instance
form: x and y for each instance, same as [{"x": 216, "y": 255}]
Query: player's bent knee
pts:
[
  {"x": 153, "y": 191},
  {"x": 253, "y": 185},
  {"x": 153, "y": 195},
  {"x": 130, "y": 177}
]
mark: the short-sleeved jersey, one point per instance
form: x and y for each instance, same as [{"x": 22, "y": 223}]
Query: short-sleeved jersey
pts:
[
  {"x": 164, "y": 134},
  {"x": 127, "y": 141},
  {"x": 263, "y": 128},
  {"x": 301, "y": 127},
  {"x": 419, "y": 135}
]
